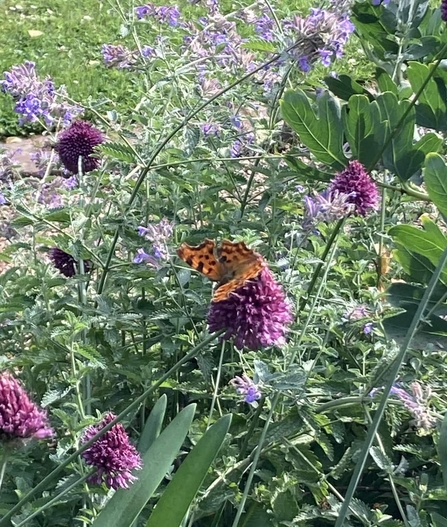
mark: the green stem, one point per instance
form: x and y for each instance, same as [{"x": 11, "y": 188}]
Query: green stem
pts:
[
  {"x": 45, "y": 482},
  {"x": 317, "y": 271},
  {"x": 372, "y": 430},
  {"x": 55, "y": 499},
  {"x": 4, "y": 463}
]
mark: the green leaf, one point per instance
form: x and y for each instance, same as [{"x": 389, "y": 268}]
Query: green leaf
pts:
[
  {"x": 418, "y": 268},
  {"x": 385, "y": 82},
  {"x": 256, "y": 516},
  {"x": 442, "y": 449},
  {"x": 429, "y": 242},
  {"x": 319, "y": 129},
  {"x": 178, "y": 496},
  {"x": 365, "y": 132},
  {"x": 126, "y": 504},
  {"x": 400, "y": 157},
  {"x": 344, "y": 87},
  {"x": 119, "y": 151},
  {"x": 431, "y": 109},
  {"x": 435, "y": 177},
  {"x": 153, "y": 425},
  {"x": 438, "y": 520}
]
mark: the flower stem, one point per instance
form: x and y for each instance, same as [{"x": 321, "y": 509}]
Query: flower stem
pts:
[
  {"x": 3, "y": 462},
  {"x": 317, "y": 271}
]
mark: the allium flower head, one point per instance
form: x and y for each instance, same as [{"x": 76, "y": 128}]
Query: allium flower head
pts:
[
  {"x": 112, "y": 455},
  {"x": 79, "y": 141},
  {"x": 246, "y": 387},
  {"x": 256, "y": 315},
  {"x": 355, "y": 182},
  {"x": 65, "y": 263},
  {"x": 444, "y": 10},
  {"x": 20, "y": 418}
]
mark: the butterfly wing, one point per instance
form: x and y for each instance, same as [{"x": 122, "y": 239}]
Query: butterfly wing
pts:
[
  {"x": 201, "y": 258},
  {"x": 240, "y": 264}
]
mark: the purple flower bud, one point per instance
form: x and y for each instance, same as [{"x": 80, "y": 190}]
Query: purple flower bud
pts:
[
  {"x": 20, "y": 418},
  {"x": 256, "y": 315},
  {"x": 65, "y": 263},
  {"x": 79, "y": 141},
  {"x": 246, "y": 387},
  {"x": 355, "y": 182},
  {"x": 444, "y": 10},
  {"x": 112, "y": 455},
  {"x": 148, "y": 51},
  {"x": 367, "y": 328},
  {"x": 2, "y": 199},
  {"x": 416, "y": 403}
]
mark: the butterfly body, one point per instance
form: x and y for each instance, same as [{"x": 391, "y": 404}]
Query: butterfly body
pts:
[{"x": 230, "y": 265}]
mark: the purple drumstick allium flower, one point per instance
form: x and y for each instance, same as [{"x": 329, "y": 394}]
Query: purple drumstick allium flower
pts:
[
  {"x": 79, "y": 141},
  {"x": 65, "y": 263},
  {"x": 246, "y": 387},
  {"x": 20, "y": 418},
  {"x": 112, "y": 454},
  {"x": 357, "y": 184},
  {"x": 444, "y": 10},
  {"x": 256, "y": 314}
]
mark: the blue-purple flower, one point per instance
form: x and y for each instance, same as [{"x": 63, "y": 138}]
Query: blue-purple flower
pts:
[
  {"x": 158, "y": 234},
  {"x": 327, "y": 206},
  {"x": 379, "y": 2},
  {"x": 357, "y": 184},
  {"x": 118, "y": 56},
  {"x": 167, "y": 14},
  {"x": 20, "y": 418},
  {"x": 255, "y": 315},
  {"x": 37, "y": 99},
  {"x": 247, "y": 387},
  {"x": 264, "y": 27},
  {"x": 112, "y": 455},
  {"x": 79, "y": 142}
]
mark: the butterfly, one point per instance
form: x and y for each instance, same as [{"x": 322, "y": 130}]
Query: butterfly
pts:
[{"x": 231, "y": 264}]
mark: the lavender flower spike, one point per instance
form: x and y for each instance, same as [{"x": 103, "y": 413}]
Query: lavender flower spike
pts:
[
  {"x": 112, "y": 454},
  {"x": 416, "y": 404},
  {"x": 246, "y": 387},
  {"x": 20, "y": 418},
  {"x": 256, "y": 314}
]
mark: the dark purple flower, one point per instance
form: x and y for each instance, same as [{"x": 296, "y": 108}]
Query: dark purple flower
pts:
[
  {"x": 79, "y": 141},
  {"x": 112, "y": 455},
  {"x": 256, "y": 314},
  {"x": 444, "y": 10},
  {"x": 65, "y": 263},
  {"x": 19, "y": 416},
  {"x": 246, "y": 387},
  {"x": 355, "y": 182}
]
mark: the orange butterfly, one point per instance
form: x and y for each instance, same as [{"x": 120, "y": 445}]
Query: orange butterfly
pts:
[{"x": 231, "y": 264}]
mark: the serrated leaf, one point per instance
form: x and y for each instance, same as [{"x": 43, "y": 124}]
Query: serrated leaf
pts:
[
  {"x": 317, "y": 127},
  {"x": 119, "y": 151},
  {"x": 259, "y": 44},
  {"x": 381, "y": 459}
]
